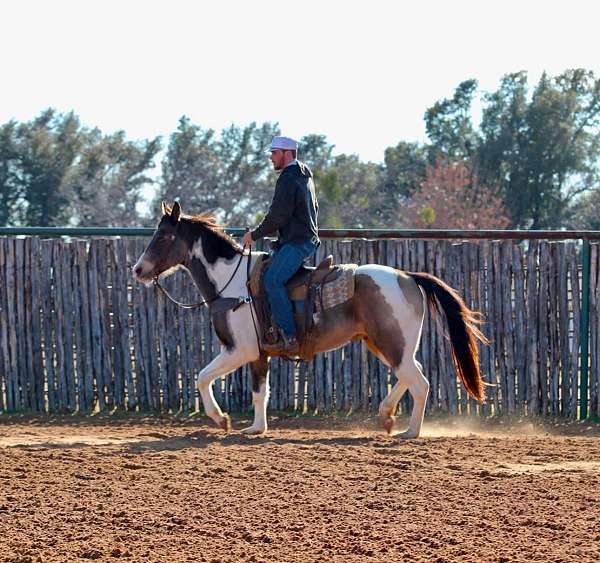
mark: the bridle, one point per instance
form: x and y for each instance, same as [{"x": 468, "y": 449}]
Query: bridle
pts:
[
  {"x": 226, "y": 303},
  {"x": 205, "y": 301}
]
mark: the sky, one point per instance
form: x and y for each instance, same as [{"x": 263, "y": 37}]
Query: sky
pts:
[{"x": 360, "y": 73}]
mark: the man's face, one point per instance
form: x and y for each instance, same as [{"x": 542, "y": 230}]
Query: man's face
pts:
[{"x": 277, "y": 159}]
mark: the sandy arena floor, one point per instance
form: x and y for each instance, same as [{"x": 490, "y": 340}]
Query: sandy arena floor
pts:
[{"x": 148, "y": 489}]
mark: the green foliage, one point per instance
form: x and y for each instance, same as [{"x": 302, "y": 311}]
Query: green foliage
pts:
[
  {"x": 229, "y": 175},
  {"x": 542, "y": 150},
  {"x": 427, "y": 215},
  {"x": 449, "y": 124},
  {"x": 534, "y": 154},
  {"x": 107, "y": 181},
  {"x": 53, "y": 172},
  {"x": 586, "y": 212}
]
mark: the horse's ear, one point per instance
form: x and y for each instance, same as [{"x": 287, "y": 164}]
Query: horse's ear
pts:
[
  {"x": 164, "y": 207},
  {"x": 175, "y": 212}
]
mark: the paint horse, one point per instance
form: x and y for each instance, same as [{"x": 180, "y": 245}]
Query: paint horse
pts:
[{"x": 386, "y": 311}]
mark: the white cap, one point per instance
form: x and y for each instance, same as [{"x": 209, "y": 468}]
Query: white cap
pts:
[{"x": 283, "y": 143}]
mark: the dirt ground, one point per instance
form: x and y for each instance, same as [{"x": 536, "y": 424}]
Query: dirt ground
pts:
[{"x": 315, "y": 489}]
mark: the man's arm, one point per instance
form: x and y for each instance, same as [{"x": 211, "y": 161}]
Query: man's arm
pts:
[{"x": 280, "y": 211}]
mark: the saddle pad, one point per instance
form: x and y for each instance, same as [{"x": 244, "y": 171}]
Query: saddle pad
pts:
[{"x": 341, "y": 289}]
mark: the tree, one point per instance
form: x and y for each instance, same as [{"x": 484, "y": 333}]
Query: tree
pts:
[
  {"x": 46, "y": 149},
  {"x": 107, "y": 181},
  {"x": 228, "y": 175},
  {"x": 10, "y": 188},
  {"x": 452, "y": 197},
  {"x": 449, "y": 125},
  {"x": 543, "y": 153},
  {"x": 349, "y": 194},
  {"x": 586, "y": 212},
  {"x": 402, "y": 173}
]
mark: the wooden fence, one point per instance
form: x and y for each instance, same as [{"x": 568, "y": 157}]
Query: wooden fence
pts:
[{"x": 77, "y": 335}]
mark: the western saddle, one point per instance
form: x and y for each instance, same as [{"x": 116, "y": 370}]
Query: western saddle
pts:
[{"x": 303, "y": 290}]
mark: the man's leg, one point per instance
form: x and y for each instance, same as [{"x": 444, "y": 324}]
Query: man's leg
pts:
[{"x": 285, "y": 264}]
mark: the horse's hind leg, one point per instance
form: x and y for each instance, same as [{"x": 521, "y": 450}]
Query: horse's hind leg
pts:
[{"x": 260, "y": 395}]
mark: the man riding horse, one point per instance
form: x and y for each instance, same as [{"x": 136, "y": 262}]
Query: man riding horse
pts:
[{"x": 293, "y": 215}]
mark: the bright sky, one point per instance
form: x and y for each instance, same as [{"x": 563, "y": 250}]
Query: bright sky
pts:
[{"x": 361, "y": 73}]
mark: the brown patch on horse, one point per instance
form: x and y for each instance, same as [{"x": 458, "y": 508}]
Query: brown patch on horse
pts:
[
  {"x": 336, "y": 327},
  {"x": 411, "y": 292},
  {"x": 380, "y": 328}
]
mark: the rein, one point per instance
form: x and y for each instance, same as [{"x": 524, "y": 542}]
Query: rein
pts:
[{"x": 205, "y": 301}]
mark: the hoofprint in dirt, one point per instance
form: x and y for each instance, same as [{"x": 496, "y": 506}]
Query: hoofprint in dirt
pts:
[{"x": 315, "y": 489}]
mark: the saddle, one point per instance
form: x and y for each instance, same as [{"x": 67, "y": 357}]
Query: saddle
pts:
[{"x": 311, "y": 291}]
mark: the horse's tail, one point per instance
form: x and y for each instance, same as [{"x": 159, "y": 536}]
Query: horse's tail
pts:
[{"x": 463, "y": 328}]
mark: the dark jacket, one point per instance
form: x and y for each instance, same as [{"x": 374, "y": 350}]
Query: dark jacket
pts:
[{"x": 294, "y": 209}]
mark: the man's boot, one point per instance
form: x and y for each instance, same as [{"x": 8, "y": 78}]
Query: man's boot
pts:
[{"x": 287, "y": 345}]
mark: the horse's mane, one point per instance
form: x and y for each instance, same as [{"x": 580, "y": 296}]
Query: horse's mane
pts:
[{"x": 216, "y": 242}]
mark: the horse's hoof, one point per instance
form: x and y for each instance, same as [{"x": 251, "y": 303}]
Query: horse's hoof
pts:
[
  {"x": 388, "y": 424},
  {"x": 407, "y": 435},
  {"x": 225, "y": 423},
  {"x": 253, "y": 431}
]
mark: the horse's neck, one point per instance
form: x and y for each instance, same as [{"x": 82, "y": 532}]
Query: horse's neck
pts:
[{"x": 210, "y": 279}]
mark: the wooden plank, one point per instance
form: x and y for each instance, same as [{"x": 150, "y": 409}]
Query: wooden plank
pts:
[
  {"x": 143, "y": 352},
  {"x": 184, "y": 358},
  {"x": 554, "y": 341},
  {"x": 520, "y": 341},
  {"x": 161, "y": 340},
  {"x": 498, "y": 326},
  {"x": 493, "y": 321},
  {"x": 171, "y": 319},
  {"x": 594, "y": 347},
  {"x": 104, "y": 278},
  {"x": 301, "y": 396},
  {"x": 79, "y": 327},
  {"x": 115, "y": 325},
  {"x": 4, "y": 327},
  {"x": 67, "y": 293},
  {"x": 59, "y": 327},
  {"x": 509, "y": 332},
  {"x": 544, "y": 272},
  {"x": 122, "y": 278},
  {"x": 21, "y": 390},
  {"x": 28, "y": 331},
  {"x": 532, "y": 326},
  {"x": 14, "y": 399},
  {"x": 562, "y": 327},
  {"x": 47, "y": 323},
  {"x": 96, "y": 324},
  {"x": 573, "y": 360},
  {"x": 483, "y": 307}
]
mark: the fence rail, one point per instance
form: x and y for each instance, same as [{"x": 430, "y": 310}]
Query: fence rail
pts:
[{"x": 77, "y": 335}]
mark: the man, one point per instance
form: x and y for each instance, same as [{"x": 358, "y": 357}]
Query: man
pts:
[{"x": 293, "y": 215}]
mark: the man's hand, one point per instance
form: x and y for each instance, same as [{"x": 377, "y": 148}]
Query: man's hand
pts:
[{"x": 247, "y": 240}]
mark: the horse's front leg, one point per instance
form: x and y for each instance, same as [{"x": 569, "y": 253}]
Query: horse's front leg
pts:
[
  {"x": 260, "y": 395},
  {"x": 224, "y": 363}
]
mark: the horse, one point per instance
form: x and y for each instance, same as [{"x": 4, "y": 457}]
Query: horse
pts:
[{"x": 386, "y": 311}]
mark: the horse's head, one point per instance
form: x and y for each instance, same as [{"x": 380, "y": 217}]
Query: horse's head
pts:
[{"x": 167, "y": 250}]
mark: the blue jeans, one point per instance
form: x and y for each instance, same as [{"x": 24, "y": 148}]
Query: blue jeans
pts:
[{"x": 286, "y": 262}]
